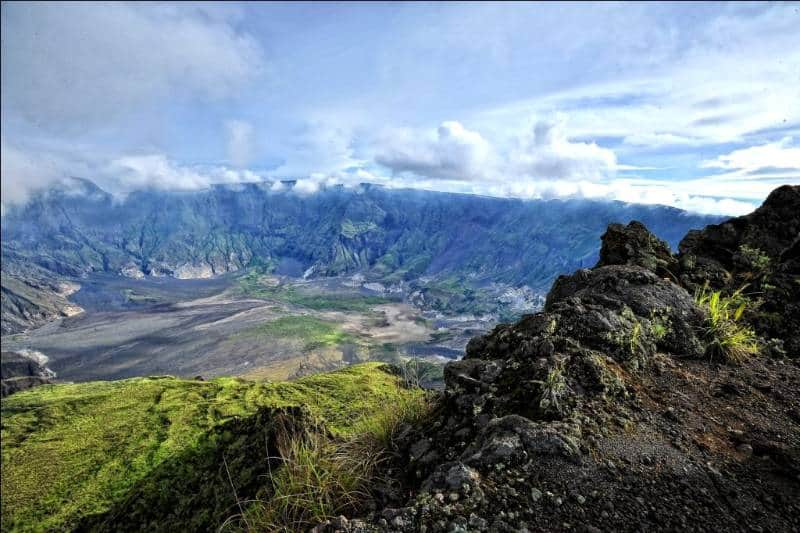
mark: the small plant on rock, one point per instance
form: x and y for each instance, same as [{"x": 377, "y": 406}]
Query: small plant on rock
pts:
[
  {"x": 756, "y": 260},
  {"x": 727, "y": 336},
  {"x": 554, "y": 389}
]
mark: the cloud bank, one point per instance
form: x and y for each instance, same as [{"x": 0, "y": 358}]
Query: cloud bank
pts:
[
  {"x": 691, "y": 106},
  {"x": 452, "y": 152}
]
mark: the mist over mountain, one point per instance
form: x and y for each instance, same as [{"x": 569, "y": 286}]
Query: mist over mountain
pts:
[{"x": 387, "y": 235}]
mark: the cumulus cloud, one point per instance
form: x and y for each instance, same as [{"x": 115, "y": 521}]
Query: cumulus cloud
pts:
[
  {"x": 456, "y": 153},
  {"x": 452, "y": 152},
  {"x": 240, "y": 142},
  {"x": 547, "y": 153},
  {"x": 765, "y": 159},
  {"x": 157, "y": 171},
  {"x": 69, "y": 66}
]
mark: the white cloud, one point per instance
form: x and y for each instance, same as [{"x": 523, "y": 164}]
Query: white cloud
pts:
[
  {"x": 781, "y": 155},
  {"x": 452, "y": 152},
  {"x": 696, "y": 196},
  {"x": 547, "y": 153},
  {"x": 240, "y": 142},
  {"x": 318, "y": 148},
  {"x": 70, "y": 66},
  {"x": 656, "y": 140},
  {"x": 157, "y": 171},
  {"x": 23, "y": 174},
  {"x": 456, "y": 153}
]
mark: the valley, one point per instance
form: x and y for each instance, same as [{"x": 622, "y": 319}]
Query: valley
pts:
[
  {"x": 247, "y": 281},
  {"x": 244, "y": 324}
]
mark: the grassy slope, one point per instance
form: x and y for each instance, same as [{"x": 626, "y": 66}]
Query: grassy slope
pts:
[
  {"x": 69, "y": 451},
  {"x": 314, "y": 332}
]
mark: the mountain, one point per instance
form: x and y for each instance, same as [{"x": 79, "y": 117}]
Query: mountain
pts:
[
  {"x": 388, "y": 235},
  {"x": 643, "y": 397}
]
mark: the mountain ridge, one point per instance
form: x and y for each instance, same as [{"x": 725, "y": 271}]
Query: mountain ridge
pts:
[{"x": 388, "y": 235}]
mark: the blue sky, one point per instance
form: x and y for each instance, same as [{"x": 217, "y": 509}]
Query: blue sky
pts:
[{"x": 685, "y": 104}]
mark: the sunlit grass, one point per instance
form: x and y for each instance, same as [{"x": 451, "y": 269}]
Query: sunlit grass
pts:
[
  {"x": 727, "y": 336},
  {"x": 73, "y": 450}
]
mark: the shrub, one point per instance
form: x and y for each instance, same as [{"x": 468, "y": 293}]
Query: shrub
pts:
[
  {"x": 755, "y": 259},
  {"x": 726, "y": 335}
]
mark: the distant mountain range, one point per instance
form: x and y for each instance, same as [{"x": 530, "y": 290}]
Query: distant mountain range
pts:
[{"x": 386, "y": 235}]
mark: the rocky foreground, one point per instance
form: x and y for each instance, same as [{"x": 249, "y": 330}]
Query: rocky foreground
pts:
[{"x": 609, "y": 411}]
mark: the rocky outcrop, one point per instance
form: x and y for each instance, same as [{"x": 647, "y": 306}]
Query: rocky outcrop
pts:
[
  {"x": 23, "y": 370},
  {"x": 634, "y": 245},
  {"x": 772, "y": 228},
  {"x": 601, "y": 412},
  {"x": 757, "y": 252}
]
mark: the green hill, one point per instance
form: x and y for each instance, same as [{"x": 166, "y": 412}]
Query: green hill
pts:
[{"x": 75, "y": 455}]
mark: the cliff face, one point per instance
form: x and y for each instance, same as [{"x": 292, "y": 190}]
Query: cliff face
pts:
[{"x": 604, "y": 411}]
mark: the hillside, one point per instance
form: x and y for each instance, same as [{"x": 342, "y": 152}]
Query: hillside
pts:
[
  {"x": 389, "y": 236},
  {"x": 74, "y": 455}
]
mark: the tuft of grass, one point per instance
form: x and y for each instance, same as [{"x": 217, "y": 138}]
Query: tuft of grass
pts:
[
  {"x": 727, "y": 336},
  {"x": 322, "y": 477}
]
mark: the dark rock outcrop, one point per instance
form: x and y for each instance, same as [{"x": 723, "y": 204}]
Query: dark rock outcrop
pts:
[
  {"x": 599, "y": 413},
  {"x": 758, "y": 252},
  {"x": 772, "y": 228},
  {"x": 634, "y": 245}
]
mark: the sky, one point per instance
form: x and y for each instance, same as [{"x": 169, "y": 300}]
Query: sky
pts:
[{"x": 694, "y": 105}]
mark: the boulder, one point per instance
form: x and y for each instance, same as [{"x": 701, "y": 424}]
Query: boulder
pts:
[{"x": 634, "y": 245}]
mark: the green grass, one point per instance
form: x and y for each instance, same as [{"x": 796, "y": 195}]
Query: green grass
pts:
[
  {"x": 70, "y": 451},
  {"x": 253, "y": 285},
  {"x": 323, "y": 477},
  {"x": 727, "y": 336},
  {"x": 314, "y": 332}
]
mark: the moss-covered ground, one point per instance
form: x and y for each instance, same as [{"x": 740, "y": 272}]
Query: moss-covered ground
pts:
[{"x": 72, "y": 451}]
